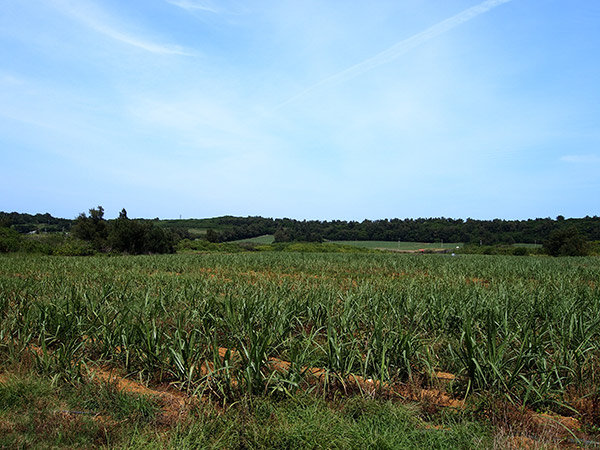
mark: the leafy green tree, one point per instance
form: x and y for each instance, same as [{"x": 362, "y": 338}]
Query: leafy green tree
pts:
[
  {"x": 138, "y": 236},
  {"x": 10, "y": 240},
  {"x": 520, "y": 251},
  {"x": 92, "y": 228},
  {"x": 566, "y": 242},
  {"x": 282, "y": 235},
  {"x": 124, "y": 235},
  {"x": 212, "y": 235},
  {"x": 159, "y": 240}
]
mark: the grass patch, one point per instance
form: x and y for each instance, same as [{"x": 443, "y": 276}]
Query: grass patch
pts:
[
  {"x": 395, "y": 245},
  {"x": 107, "y": 400},
  {"x": 36, "y": 412},
  {"x": 313, "y": 423},
  {"x": 265, "y": 239},
  {"x": 520, "y": 330}
]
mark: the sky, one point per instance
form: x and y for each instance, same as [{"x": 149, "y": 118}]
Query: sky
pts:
[{"x": 312, "y": 109}]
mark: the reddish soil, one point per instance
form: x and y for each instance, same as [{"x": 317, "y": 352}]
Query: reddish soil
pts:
[
  {"x": 175, "y": 404},
  {"x": 316, "y": 375},
  {"x": 531, "y": 429},
  {"x": 523, "y": 443},
  {"x": 445, "y": 376},
  {"x": 479, "y": 281}
]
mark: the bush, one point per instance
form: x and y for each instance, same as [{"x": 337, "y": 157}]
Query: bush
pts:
[
  {"x": 10, "y": 240},
  {"x": 520, "y": 251},
  {"x": 74, "y": 247},
  {"x": 566, "y": 242}
]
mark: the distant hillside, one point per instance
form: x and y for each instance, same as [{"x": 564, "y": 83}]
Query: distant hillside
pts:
[
  {"x": 231, "y": 228},
  {"x": 489, "y": 232},
  {"x": 26, "y": 223}
]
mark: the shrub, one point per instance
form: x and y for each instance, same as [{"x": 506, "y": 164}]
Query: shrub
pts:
[
  {"x": 566, "y": 242},
  {"x": 520, "y": 251},
  {"x": 74, "y": 247},
  {"x": 10, "y": 241}
]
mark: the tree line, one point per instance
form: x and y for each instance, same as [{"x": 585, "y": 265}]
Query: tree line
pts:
[
  {"x": 86, "y": 235},
  {"x": 157, "y": 236},
  {"x": 124, "y": 235},
  {"x": 27, "y": 223},
  {"x": 485, "y": 232}
]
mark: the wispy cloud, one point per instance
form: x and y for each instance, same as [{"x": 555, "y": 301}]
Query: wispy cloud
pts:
[
  {"x": 101, "y": 22},
  {"x": 400, "y": 48},
  {"x": 10, "y": 80},
  {"x": 581, "y": 159},
  {"x": 194, "y": 5}
]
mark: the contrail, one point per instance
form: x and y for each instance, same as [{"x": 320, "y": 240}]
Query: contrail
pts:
[{"x": 399, "y": 48}]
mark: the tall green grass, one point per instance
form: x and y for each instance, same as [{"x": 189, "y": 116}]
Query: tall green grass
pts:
[{"x": 524, "y": 328}]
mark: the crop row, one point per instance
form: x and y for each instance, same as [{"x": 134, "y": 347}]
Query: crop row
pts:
[{"x": 524, "y": 328}]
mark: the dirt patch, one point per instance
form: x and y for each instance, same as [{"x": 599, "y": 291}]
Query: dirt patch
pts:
[
  {"x": 175, "y": 405},
  {"x": 371, "y": 387},
  {"x": 445, "y": 376},
  {"x": 432, "y": 426},
  {"x": 522, "y": 443},
  {"x": 479, "y": 281},
  {"x": 556, "y": 427},
  {"x": 6, "y": 426},
  {"x": 523, "y": 428}
]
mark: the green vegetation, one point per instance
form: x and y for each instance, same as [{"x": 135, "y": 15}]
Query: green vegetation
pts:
[
  {"x": 252, "y": 245},
  {"x": 310, "y": 422},
  {"x": 265, "y": 239},
  {"x": 408, "y": 246},
  {"x": 515, "y": 249},
  {"x": 92, "y": 234},
  {"x": 429, "y": 230},
  {"x": 40, "y": 223},
  {"x": 10, "y": 240},
  {"x": 46, "y": 243},
  {"x": 37, "y": 413},
  {"x": 566, "y": 242},
  {"x": 122, "y": 235},
  {"x": 290, "y": 343}
]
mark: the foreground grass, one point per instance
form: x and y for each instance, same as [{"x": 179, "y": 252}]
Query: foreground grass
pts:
[
  {"x": 37, "y": 412},
  {"x": 309, "y": 422},
  {"x": 519, "y": 330}
]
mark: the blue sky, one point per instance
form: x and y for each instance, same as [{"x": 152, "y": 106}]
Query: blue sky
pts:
[{"x": 303, "y": 109}]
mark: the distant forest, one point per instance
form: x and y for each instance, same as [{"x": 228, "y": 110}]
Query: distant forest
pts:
[{"x": 230, "y": 228}]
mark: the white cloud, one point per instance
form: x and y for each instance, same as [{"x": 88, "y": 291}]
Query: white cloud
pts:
[
  {"x": 10, "y": 80},
  {"x": 581, "y": 159},
  {"x": 90, "y": 15},
  {"x": 401, "y": 48},
  {"x": 194, "y": 5},
  {"x": 210, "y": 119}
]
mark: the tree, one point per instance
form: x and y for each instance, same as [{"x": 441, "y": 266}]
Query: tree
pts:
[
  {"x": 566, "y": 242},
  {"x": 124, "y": 235},
  {"x": 282, "y": 235},
  {"x": 138, "y": 236},
  {"x": 212, "y": 235},
  {"x": 93, "y": 229},
  {"x": 10, "y": 240}
]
